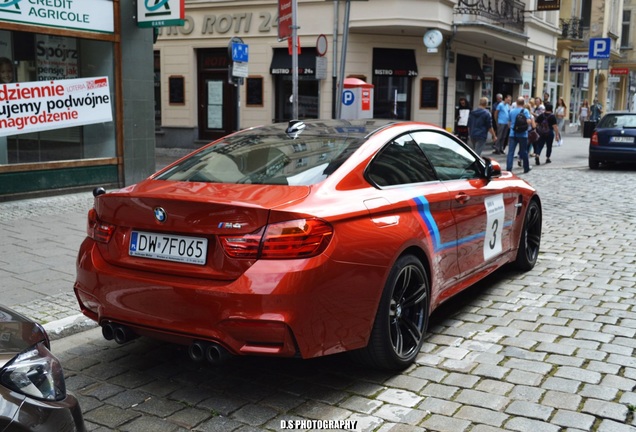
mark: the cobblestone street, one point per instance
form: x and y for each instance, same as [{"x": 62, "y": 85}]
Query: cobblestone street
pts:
[{"x": 549, "y": 350}]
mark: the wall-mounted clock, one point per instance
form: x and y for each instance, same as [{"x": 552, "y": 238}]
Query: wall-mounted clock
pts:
[{"x": 433, "y": 38}]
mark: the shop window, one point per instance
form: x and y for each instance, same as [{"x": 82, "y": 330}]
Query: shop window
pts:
[
  {"x": 41, "y": 57},
  {"x": 308, "y": 97},
  {"x": 391, "y": 97}
]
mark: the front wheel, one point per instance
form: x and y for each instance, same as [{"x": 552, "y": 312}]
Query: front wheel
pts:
[
  {"x": 401, "y": 319},
  {"x": 530, "y": 239}
]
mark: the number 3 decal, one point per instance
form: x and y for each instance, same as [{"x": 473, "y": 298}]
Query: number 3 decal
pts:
[{"x": 496, "y": 213}]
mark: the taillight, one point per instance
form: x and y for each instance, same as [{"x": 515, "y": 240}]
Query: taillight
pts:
[
  {"x": 594, "y": 139},
  {"x": 301, "y": 238},
  {"x": 97, "y": 230}
]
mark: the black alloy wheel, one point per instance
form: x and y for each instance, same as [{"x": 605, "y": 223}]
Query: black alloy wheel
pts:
[{"x": 402, "y": 317}]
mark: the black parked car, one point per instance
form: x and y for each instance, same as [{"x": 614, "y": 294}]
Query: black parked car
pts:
[
  {"x": 33, "y": 394},
  {"x": 614, "y": 139}
]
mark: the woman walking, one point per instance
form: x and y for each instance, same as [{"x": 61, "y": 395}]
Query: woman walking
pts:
[{"x": 561, "y": 112}]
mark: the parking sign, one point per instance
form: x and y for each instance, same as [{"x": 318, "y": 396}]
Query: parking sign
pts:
[{"x": 600, "y": 48}]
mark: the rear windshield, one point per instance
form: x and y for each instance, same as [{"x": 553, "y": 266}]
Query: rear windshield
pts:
[
  {"x": 618, "y": 121},
  {"x": 255, "y": 158}
]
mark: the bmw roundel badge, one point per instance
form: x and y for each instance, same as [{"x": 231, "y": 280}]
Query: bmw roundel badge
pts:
[{"x": 160, "y": 214}]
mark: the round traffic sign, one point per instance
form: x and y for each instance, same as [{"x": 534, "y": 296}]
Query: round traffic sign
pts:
[{"x": 321, "y": 45}]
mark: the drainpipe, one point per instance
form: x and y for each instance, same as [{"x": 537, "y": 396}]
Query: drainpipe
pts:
[{"x": 447, "y": 55}]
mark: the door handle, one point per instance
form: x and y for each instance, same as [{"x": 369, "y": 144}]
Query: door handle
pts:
[{"x": 462, "y": 198}]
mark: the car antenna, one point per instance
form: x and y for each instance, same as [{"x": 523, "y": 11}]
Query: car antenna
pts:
[{"x": 295, "y": 128}]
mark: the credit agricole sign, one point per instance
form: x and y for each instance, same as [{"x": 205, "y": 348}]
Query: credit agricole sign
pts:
[{"x": 90, "y": 15}]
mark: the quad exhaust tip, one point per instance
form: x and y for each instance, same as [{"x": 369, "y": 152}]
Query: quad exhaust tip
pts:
[
  {"x": 118, "y": 332},
  {"x": 198, "y": 351},
  {"x": 212, "y": 352}
]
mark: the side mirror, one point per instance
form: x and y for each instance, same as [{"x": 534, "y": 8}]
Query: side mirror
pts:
[{"x": 493, "y": 169}]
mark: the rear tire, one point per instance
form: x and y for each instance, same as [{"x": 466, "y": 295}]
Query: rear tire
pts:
[
  {"x": 530, "y": 239},
  {"x": 401, "y": 318}
]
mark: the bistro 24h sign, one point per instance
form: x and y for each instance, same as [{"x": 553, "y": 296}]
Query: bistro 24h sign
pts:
[{"x": 37, "y": 106}]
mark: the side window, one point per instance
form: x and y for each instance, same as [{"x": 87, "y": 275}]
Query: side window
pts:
[
  {"x": 450, "y": 160},
  {"x": 400, "y": 162}
]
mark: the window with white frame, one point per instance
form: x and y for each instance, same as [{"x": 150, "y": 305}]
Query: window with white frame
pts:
[{"x": 626, "y": 29}]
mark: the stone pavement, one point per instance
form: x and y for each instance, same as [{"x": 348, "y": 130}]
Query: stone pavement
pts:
[{"x": 549, "y": 350}]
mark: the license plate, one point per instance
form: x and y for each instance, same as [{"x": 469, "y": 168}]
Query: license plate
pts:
[
  {"x": 191, "y": 250},
  {"x": 622, "y": 139}
]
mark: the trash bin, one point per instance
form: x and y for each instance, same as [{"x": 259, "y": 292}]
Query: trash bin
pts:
[{"x": 588, "y": 128}]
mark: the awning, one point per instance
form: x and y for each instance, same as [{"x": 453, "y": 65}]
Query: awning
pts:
[
  {"x": 507, "y": 73},
  {"x": 282, "y": 62},
  {"x": 394, "y": 62},
  {"x": 468, "y": 69}
]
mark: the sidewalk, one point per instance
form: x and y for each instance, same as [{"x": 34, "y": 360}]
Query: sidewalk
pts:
[{"x": 40, "y": 238}]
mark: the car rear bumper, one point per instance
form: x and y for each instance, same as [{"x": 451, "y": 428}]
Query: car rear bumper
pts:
[
  {"x": 307, "y": 307},
  {"x": 23, "y": 414},
  {"x": 612, "y": 154}
]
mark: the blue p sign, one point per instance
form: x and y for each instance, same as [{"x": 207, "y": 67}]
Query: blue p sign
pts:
[
  {"x": 599, "y": 48},
  {"x": 348, "y": 97}
]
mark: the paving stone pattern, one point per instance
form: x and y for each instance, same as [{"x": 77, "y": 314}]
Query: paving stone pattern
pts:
[{"x": 549, "y": 350}]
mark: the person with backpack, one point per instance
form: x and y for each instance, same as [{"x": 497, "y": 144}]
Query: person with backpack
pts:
[
  {"x": 548, "y": 129},
  {"x": 520, "y": 122},
  {"x": 479, "y": 125}
]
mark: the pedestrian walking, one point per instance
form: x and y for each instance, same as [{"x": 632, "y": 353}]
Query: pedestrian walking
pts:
[
  {"x": 519, "y": 134},
  {"x": 539, "y": 107},
  {"x": 462, "y": 111},
  {"x": 495, "y": 104},
  {"x": 561, "y": 113},
  {"x": 502, "y": 118},
  {"x": 596, "y": 111},
  {"x": 584, "y": 114},
  {"x": 530, "y": 106},
  {"x": 548, "y": 128},
  {"x": 479, "y": 125}
]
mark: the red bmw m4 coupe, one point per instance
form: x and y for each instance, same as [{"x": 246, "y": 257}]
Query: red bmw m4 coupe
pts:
[{"x": 304, "y": 239}]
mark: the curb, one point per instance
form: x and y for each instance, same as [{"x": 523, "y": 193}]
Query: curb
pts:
[{"x": 68, "y": 326}]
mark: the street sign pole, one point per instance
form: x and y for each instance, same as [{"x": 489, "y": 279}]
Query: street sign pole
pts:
[
  {"x": 343, "y": 58},
  {"x": 294, "y": 60},
  {"x": 599, "y": 51},
  {"x": 596, "y": 80}
]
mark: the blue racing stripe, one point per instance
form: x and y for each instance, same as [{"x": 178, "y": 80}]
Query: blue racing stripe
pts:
[{"x": 424, "y": 210}]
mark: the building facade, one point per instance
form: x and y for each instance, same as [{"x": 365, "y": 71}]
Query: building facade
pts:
[
  {"x": 485, "y": 48},
  {"x": 569, "y": 75},
  {"x": 93, "y": 41}
]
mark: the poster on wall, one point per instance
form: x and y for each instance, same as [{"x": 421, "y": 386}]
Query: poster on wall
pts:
[
  {"x": 526, "y": 87},
  {"x": 38, "y": 105},
  {"x": 90, "y": 15},
  {"x": 55, "y": 58}
]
